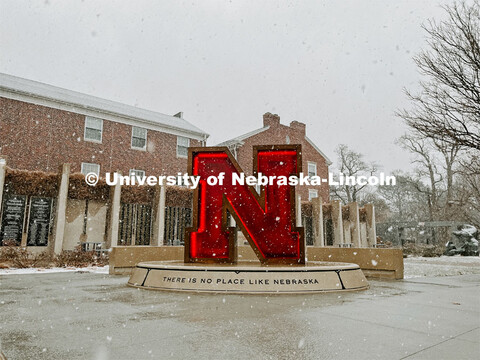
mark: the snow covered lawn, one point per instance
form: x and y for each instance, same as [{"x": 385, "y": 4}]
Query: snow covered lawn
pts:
[
  {"x": 441, "y": 266},
  {"x": 90, "y": 269}
]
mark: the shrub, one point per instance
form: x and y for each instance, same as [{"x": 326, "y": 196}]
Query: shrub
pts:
[
  {"x": 44, "y": 259},
  {"x": 26, "y": 182},
  {"x": 422, "y": 250},
  {"x": 20, "y": 257},
  {"x": 80, "y": 258},
  {"x": 78, "y": 189},
  {"x": 15, "y": 255}
]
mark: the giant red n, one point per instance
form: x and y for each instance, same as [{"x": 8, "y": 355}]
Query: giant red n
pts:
[{"x": 267, "y": 219}]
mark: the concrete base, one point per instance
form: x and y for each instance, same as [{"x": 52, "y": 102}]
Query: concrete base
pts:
[
  {"x": 374, "y": 262},
  {"x": 248, "y": 277}
]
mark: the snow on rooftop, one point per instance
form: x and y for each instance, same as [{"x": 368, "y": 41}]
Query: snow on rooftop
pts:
[{"x": 41, "y": 91}]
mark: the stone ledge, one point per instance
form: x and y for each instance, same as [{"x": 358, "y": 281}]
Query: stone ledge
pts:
[
  {"x": 248, "y": 277},
  {"x": 387, "y": 263}
]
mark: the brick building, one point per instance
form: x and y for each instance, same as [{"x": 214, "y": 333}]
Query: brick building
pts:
[
  {"x": 42, "y": 126},
  {"x": 315, "y": 162}
]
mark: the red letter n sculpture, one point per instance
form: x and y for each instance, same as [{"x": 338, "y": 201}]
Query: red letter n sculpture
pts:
[{"x": 267, "y": 220}]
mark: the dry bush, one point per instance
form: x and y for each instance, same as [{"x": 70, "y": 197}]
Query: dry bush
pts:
[
  {"x": 307, "y": 208},
  {"x": 25, "y": 182},
  {"x": 327, "y": 211},
  {"x": 102, "y": 260},
  {"x": 15, "y": 255},
  {"x": 178, "y": 196},
  {"x": 423, "y": 250},
  {"x": 137, "y": 194},
  {"x": 362, "y": 213},
  {"x": 20, "y": 257},
  {"x": 80, "y": 258},
  {"x": 44, "y": 259},
  {"x": 76, "y": 258},
  {"x": 78, "y": 189}
]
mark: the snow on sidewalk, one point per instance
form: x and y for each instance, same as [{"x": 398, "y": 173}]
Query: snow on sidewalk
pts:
[{"x": 415, "y": 267}]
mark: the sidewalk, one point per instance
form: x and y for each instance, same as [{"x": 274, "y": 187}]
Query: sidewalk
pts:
[{"x": 96, "y": 316}]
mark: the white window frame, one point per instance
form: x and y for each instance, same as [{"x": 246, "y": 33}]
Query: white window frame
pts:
[
  {"x": 312, "y": 193},
  {"x": 314, "y": 164},
  {"x": 182, "y": 145},
  {"x": 133, "y": 172},
  {"x": 85, "y": 130},
  {"x": 90, "y": 164},
  {"x": 146, "y": 137}
]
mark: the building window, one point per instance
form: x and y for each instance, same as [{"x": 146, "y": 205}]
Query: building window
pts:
[
  {"x": 312, "y": 169},
  {"x": 182, "y": 146},
  {"x": 312, "y": 194},
  {"x": 90, "y": 168},
  {"x": 93, "y": 129},
  {"x": 139, "y": 138},
  {"x": 137, "y": 173}
]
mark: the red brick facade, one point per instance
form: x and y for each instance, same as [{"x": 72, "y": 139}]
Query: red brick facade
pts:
[
  {"x": 282, "y": 134},
  {"x": 36, "y": 137}
]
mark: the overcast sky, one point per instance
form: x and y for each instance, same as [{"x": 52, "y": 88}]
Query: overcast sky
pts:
[{"x": 338, "y": 66}]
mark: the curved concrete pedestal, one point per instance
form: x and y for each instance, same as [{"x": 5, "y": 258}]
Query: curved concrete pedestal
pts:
[{"x": 248, "y": 277}]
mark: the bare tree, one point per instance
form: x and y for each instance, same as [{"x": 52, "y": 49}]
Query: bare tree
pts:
[
  {"x": 407, "y": 199},
  {"x": 448, "y": 106},
  {"x": 351, "y": 163},
  {"x": 426, "y": 167},
  {"x": 467, "y": 190},
  {"x": 449, "y": 152},
  {"x": 382, "y": 208},
  {"x": 435, "y": 160}
]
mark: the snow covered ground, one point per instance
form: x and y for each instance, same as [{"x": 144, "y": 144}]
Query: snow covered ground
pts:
[
  {"x": 415, "y": 267},
  {"x": 90, "y": 269}
]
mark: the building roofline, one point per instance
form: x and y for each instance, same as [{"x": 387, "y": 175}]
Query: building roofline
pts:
[
  {"x": 38, "y": 93},
  {"x": 239, "y": 141},
  {"x": 328, "y": 161}
]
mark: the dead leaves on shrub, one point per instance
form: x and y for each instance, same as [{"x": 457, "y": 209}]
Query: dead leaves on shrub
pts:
[
  {"x": 423, "y": 250},
  {"x": 20, "y": 257}
]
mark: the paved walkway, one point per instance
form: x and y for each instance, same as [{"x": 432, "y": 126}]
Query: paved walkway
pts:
[{"x": 94, "y": 316}]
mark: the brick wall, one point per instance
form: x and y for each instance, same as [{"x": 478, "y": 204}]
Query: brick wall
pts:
[
  {"x": 41, "y": 138},
  {"x": 277, "y": 134}
]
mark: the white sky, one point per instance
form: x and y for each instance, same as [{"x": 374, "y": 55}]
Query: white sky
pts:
[{"x": 338, "y": 66}]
